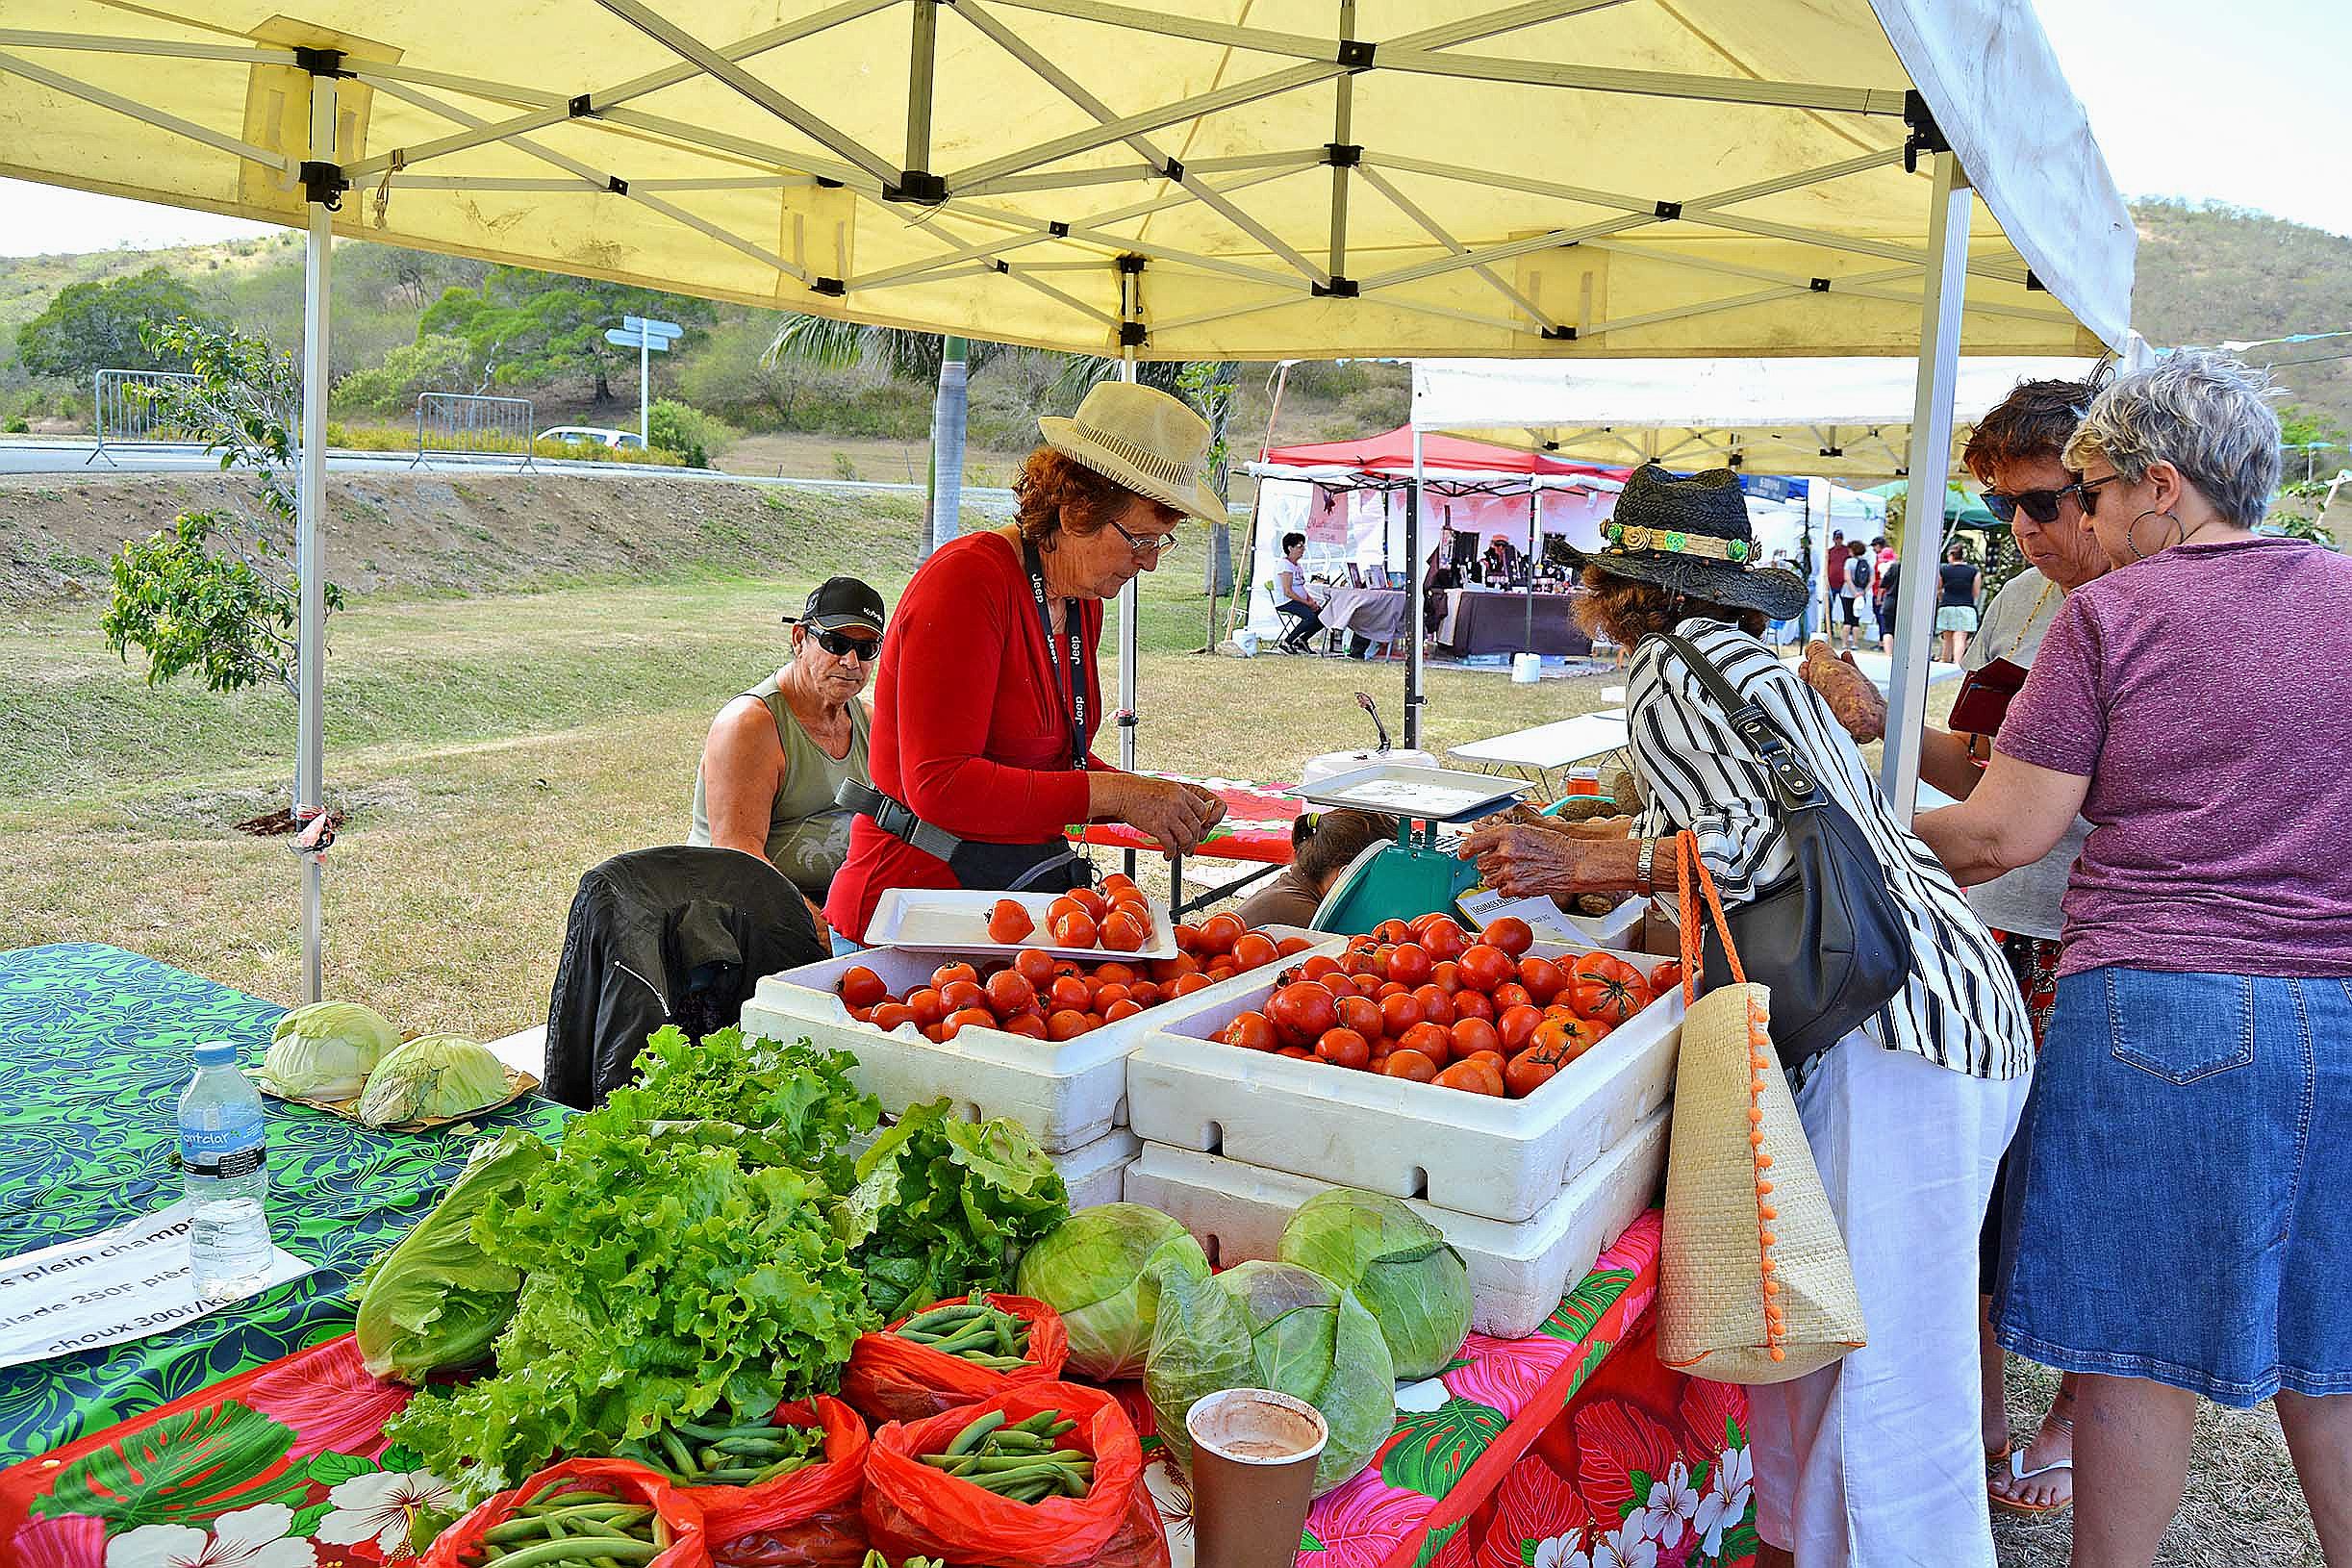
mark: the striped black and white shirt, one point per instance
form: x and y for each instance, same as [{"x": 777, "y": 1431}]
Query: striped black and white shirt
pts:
[{"x": 1960, "y": 1008}]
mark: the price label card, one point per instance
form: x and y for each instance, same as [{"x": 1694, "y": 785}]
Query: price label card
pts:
[{"x": 119, "y": 1284}]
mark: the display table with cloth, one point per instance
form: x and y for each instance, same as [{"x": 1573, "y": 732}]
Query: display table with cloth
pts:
[
  {"x": 95, "y": 1045},
  {"x": 1256, "y": 827},
  {"x": 1522, "y": 1451},
  {"x": 1497, "y": 620},
  {"x": 1375, "y": 614}
]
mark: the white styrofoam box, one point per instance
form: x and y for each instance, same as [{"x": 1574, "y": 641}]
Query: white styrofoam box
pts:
[
  {"x": 955, "y": 920},
  {"x": 1503, "y": 1159},
  {"x": 1518, "y": 1272},
  {"x": 1069, "y": 1094},
  {"x": 1097, "y": 1174}
]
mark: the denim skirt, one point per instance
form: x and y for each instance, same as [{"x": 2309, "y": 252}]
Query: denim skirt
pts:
[{"x": 2179, "y": 1198}]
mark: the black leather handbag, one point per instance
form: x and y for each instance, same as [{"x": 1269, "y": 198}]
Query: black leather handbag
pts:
[{"x": 1828, "y": 939}]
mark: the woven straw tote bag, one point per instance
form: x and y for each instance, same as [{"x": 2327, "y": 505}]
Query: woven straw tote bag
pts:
[{"x": 1754, "y": 1284}]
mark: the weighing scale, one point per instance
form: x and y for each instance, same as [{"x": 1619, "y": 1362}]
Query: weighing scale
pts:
[{"x": 1412, "y": 875}]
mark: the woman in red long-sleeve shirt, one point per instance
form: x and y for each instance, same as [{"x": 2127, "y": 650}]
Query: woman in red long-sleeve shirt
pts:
[{"x": 987, "y": 702}]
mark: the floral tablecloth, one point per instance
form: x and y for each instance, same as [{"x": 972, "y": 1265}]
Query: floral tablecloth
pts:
[
  {"x": 94, "y": 1046},
  {"x": 1257, "y": 825}
]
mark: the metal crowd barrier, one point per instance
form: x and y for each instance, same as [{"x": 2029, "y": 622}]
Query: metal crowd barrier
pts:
[
  {"x": 124, "y": 412},
  {"x": 463, "y": 424}
]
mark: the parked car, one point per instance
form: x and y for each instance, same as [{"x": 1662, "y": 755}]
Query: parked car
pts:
[{"x": 596, "y": 435}]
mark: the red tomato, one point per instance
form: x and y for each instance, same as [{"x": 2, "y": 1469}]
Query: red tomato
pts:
[
  {"x": 1009, "y": 994},
  {"x": 1529, "y": 1071},
  {"x": 1483, "y": 966},
  {"x": 1343, "y": 1047},
  {"x": 1108, "y": 991},
  {"x": 1303, "y": 1013},
  {"x": 1296, "y": 1054},
  {"x": 1543, "y": 979},
  {"x": 861, "y": 1015},
  {"x": 1433, "y": 1040},
  {"x": 1513, "y": 935},
  {"x": 1008, "y": 922},
  {"x": 1219, "y": 932},
  {"x": 1338, "y": 985},
  {"x": 1290, "y": 945},
  {"x": 1093, "y": 902},
  {"x": 1666, "y": 976},
  {"x": 924, "y": 1004},
  {"x": 1471, "y": 1035},
  {"x": 1075, "y": 928},
  {"x": 1186, "y": 985},
  {"x": 1115, "y": 972},
  {"x": 1566, "y": 1038},
  {"x": 1517, "y": 1025},
  {"x": 1034, "y": 967},
  {"x": 1144, "y": 994},
  {"x": 1471, "y": 1077},
  {"x": 956, "y": 995},
  {"x": 1409, "y": 963},
  {"x": 1122, "y": 931},
  {"x": 1607, "y": 988},
  {"x": 1029, "y": 1026},
  {"x": 1251, "y": 1031},
  {"x": 1188, "y": 938},
  {"x": 1361, "y": 1014},
  {"x": 1320, "y": 966},
  {"x": 966, "y": 1018},
  {"x": 1444, "y": 938},
  {"x": 1221, "y": 968},
  {"x": 1071, "y": 994},
  {"x": 1399, "y": 1013},
  {"x": 1066, "y": 1023},
  {"x": 1120, "y": 1010},
  {"x": 948, "y": 974},
  {"x": 1435, "y": 1005},
  {"x": 862, "y": 987},
  {"x": 1392, "y": 932},
  {"x": 1511, "y": 994},
  {"x": 1117, "y": 882},
  {"x": 1368, "y": 985},
  {"x": 1473, "y": 1005},
  {"x": 1254, "y": 949},
  {"x": 890, "y": 1015},
  {"x": 1360, "y": 962},
  {"x": 1167, "y": 970},
  {"x": 1409, "y": 1064},
  {"x": 1391, "y": 987},
  {"x": 1446, "y": 975}
]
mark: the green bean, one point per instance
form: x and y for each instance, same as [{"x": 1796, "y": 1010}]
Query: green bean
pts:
[
  {"x": 675, "y": 1447},
  {"x": 970, "y": 1437},
  {"x": 578, "y": 1547}
]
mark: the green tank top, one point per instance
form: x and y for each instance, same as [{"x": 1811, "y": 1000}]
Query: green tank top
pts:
[{"x": 808, "y": 835}]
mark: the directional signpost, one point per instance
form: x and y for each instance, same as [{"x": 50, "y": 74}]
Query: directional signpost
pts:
[{"x": 648, "y": 338}]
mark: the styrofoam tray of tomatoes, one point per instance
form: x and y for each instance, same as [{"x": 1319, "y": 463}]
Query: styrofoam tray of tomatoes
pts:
[
  {"x": 1115, "y": 921},
  {"x": 1518, "y": 1272},
  {"x": 1068, "y": 1092},
  {"x": 1296, "y": 1076}
]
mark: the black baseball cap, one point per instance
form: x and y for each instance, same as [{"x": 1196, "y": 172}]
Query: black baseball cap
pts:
[{"x": 838, "y": 602}]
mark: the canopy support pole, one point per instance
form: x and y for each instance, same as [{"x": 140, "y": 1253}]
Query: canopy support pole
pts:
[
  {"x": 1930, "y": 453},
  {"x": 310, "y": 565},
  {"x": 1130, "y": 652},
  {"x": 1535, "y": 547},
  {"x": 1413, "y": 592}
]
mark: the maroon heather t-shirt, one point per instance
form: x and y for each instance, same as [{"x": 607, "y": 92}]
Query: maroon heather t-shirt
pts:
[{"x": 2206, "y": 695}]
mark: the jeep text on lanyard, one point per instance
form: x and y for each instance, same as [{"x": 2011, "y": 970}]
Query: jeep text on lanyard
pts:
[{"x": 1077, "y": 701}]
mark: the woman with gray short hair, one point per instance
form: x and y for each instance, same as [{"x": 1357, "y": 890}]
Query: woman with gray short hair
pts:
[{"x": 2177, "y": 1217}]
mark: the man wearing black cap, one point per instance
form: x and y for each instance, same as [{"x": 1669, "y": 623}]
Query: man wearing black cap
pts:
[{"x": 778, "y": 753}]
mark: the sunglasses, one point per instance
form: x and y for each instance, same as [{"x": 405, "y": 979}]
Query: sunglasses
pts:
[
  {"x": 1147, "y": 547},
  {"x": 841, "y": 645},
  {"x": 2042, "y": 505}
]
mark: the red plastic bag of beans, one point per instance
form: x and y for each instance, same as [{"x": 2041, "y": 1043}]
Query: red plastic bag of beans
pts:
[
  {"x": 677, "y": 1520},
  {"x": 807, "y": 1518},
  {"x": 890, "y": 1379}
]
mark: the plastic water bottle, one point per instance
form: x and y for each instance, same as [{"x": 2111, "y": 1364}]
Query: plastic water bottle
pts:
[{"x": 223, "y": 1152}]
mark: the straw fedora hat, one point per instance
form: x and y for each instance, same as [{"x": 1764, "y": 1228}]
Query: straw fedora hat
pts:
[
  {"x": 1143, "y": 439},
  {"x": 1692, "y": 536}
]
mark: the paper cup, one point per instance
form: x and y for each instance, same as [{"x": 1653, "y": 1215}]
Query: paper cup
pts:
[{"x": 1254, "y": 1454}]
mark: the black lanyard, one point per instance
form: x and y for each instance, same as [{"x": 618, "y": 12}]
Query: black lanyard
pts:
[{"x": 1076, "y": 685}]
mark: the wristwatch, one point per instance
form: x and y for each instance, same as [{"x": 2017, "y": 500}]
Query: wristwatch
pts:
[{"x": 1642, "y": 882}]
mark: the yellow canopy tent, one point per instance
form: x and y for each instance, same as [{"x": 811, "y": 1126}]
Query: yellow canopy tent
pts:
[{"x": 1192, "y": 179}]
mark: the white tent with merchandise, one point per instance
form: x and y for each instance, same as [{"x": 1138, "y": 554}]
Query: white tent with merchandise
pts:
[{"x": 1201, "y": 179}]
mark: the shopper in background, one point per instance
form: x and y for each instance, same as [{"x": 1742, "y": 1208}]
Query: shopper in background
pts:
[
  {"x": 1956, "y": 599},
  {"x": 1321, "y": 845}
]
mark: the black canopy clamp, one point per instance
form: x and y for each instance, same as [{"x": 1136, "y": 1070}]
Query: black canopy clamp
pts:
[
  {"x": 1926, "y": 136},
  {"x": 323, "y": 182},
  {"x": 1126, "y": 719},
  {"x": 320, "y": 62}
]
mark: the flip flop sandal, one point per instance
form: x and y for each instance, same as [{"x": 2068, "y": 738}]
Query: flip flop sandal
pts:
[
  {"x": 2018, "y": 1476},
  {"x": 1999, "y": 1455}
]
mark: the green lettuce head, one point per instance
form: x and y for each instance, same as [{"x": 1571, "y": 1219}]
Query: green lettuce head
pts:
[
  {"x": 1090, "y": 1268},
  {"x": 326, "y": 1050},
  {"x": 1273, "y": 1325},
  {"x": 436, "y": 1300},
  {"x": 1400, "y": 1266},
  {"x": 436, "y": 1074}
]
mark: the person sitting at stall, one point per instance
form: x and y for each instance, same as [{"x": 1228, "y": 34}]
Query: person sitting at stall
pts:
[
  {"x": 1906, "y": 1114},
  {"x": 776, "y": 755},
  {"x": 1291, "y": 599},
  {"x": 987, "y": 701},
  {"x": 1321, "y": 845},
  {"x": 1500, "y": 562}
]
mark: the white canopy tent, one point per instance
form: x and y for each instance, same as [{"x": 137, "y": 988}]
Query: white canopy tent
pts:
[{"x": 1200, "y": 179}]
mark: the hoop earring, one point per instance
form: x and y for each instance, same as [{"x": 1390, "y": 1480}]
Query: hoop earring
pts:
[{"x": 2132, "y": 543}]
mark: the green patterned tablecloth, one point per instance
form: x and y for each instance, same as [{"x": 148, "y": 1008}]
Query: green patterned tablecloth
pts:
[{"x": 94, "y": 1046}]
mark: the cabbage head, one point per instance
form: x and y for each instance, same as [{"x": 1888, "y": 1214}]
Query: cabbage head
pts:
[
  {"x": 326, "y": 1050},
  {"x": 1400, "y": 1267},
  {"x": 435, "y": 1074},
  {"x": 435, "y": 1300},
  {"x": 1090, "y": 1269},
  {"x": 1273, "y": 1325}
]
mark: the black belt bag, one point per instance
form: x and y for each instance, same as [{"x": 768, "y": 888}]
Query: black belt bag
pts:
[
  {"x": 1829, "y": 939},
  {"x": 1049, "y": 866}
]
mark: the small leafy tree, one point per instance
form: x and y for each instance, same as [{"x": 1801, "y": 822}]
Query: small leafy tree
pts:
[
  {"x": 216, "y": 592},
  {"x": 100, "y": 326}
]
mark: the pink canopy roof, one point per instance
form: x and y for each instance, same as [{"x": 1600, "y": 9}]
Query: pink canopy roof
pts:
[{"x": 1393, "y": 453}]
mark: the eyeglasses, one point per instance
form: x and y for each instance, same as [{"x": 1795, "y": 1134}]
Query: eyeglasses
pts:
[
  {"x": 2041, "y": 505},
  {"x": 841, "y": 645},
  {"x": 2091, "y": 492},
  {"x": 1147, "y": 547}
]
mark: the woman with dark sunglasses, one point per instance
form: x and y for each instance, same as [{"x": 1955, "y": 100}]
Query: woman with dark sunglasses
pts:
[
  {"x": 987, "y": 702},
  {"x": 779, "y": 754}
]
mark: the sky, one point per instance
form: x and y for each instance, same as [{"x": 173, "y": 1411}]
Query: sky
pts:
[{"x": 2251, "y": 105}]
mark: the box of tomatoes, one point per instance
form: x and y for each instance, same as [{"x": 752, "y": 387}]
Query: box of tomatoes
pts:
[
  {"x": 1031, "y": 1036},
  {"x": 1481, "y": 1074}
]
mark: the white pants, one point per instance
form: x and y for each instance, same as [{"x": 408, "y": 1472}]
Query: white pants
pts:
[{"x": 1878, "y": 1460}]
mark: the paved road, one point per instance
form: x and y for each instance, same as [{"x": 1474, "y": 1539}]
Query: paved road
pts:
[{"x": 70, "y": 457}]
